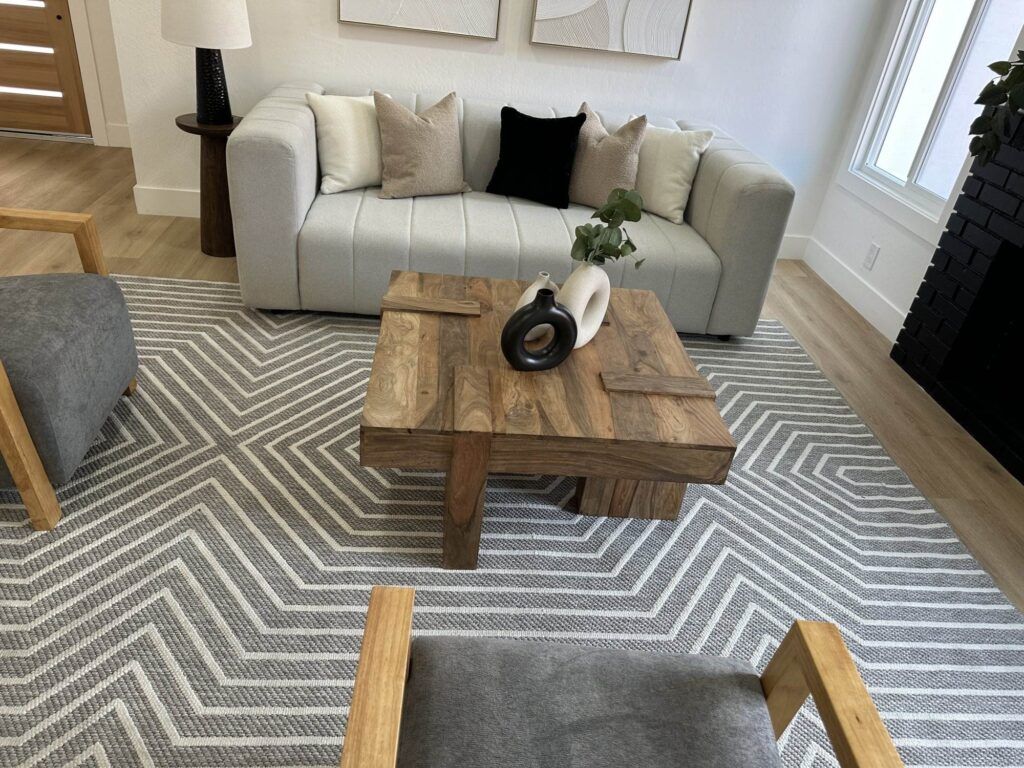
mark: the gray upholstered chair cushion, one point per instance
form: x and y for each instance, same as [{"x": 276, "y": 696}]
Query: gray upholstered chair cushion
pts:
[
  {"x": 484, "y": 703},
  {"x": 66, "y": 343}
]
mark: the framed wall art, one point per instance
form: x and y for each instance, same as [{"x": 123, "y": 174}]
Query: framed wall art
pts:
[
  {"x": 468, "y": 18},
  {"x": 647, "y": 27}
]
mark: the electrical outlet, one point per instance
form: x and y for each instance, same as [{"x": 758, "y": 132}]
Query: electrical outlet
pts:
[{"x": 872, "y": 256}]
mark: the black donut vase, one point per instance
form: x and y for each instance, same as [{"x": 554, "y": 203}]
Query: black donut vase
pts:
[{"x": 541, "y": 311}]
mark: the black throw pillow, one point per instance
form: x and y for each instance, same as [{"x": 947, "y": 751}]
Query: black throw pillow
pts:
[{"x": 536, "y": 157}]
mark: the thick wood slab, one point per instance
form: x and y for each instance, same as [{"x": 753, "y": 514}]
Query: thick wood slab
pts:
[
  {"x": 466, "y": 482},
  {"x": 562, "y": 421},
  {"x": 601, "y": 497},
  {"x": 426, "y": 304},
  {"x": 677, "y": 386}
]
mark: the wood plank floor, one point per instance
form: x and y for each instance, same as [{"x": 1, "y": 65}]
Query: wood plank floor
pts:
[{"x": 983, "y": 503}]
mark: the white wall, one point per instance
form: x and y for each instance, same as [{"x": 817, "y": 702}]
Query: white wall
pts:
[
  {"x": 848, "y": 224},
  {"x": 779, "y": 75},
  {"x": 846, "y": 229}
]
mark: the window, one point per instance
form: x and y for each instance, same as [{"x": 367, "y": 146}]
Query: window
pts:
[{"x": 915, "y": 140}]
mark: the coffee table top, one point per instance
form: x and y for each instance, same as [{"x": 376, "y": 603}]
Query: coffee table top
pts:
[{"x": 411, "y": 384}]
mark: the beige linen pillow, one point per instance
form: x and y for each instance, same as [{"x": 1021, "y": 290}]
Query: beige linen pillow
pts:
[
  {"x": 605, "y": 161},
  {"x": 347, "y": 141},
  {"x": 422, "y": 154},
  {"x": 668, "y": 165}
]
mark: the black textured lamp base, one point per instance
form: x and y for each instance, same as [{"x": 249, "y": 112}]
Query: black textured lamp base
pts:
[{"x": 213, "y": 107}]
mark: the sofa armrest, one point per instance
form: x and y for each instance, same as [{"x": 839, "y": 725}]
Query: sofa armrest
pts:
[
  {"x": 273, "y": 177},
  {"x": 740, "y": 205}
]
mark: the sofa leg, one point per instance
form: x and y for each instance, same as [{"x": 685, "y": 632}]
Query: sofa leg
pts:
[
  {"x": 22, "y": 460},
  {"x": 724, "y": 336},
  {"x": 130, "y": 389}
]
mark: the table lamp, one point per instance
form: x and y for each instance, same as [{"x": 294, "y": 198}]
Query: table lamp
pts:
[{"x": 208, "y": 26}]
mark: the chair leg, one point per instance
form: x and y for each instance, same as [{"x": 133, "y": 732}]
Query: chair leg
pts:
[
  {"x": 22, "y": 460},
  {"x": 130, "y": 390}
]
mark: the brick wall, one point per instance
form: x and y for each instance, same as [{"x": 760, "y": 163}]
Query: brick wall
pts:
[{"x": 989, "y": 214}]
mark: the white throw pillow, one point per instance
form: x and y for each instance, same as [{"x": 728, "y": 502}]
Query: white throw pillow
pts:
[
  {"x": 347, "y": 141},
  {"x": 668, "y": 164}
]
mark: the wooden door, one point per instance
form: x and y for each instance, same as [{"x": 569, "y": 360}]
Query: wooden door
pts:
[{"x": 40, "y": 83}]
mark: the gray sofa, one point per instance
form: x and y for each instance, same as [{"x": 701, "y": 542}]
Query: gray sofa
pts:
[{"x": 298, "y": 249}]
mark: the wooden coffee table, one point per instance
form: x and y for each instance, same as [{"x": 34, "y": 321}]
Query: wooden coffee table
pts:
[{"x": 628, "y": 414}]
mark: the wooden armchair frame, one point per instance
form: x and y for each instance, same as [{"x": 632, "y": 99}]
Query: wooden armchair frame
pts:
[
  {"x": 16, "y": 446},
  {"x": 812, "y": 660}
]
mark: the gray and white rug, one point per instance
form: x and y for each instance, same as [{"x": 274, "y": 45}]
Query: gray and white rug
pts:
[{"x": 202, "y": 601}]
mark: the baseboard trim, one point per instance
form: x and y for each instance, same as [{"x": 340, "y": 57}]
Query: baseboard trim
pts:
[
  {"x": 163, "y": 201},
  {"x": 118, "y": 136},
  {"x": 858, "y": 293},
  {"x": 793, "y": 247}
]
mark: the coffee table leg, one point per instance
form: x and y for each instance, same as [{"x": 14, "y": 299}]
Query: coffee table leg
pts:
[
  {"x": 464, "y": 500},
  {"x": 646, "y": 499}
]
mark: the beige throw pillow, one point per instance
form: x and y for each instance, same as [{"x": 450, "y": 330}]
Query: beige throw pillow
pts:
[
  {"x": 421, "y": 154},
  {"x": 668, "y": 165},
  {"x": 605, "y": 161},
  {"x": 347, "y": 142}
]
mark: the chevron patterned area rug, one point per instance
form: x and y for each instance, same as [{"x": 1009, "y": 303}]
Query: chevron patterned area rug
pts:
[{"x": 201, "y": 603}]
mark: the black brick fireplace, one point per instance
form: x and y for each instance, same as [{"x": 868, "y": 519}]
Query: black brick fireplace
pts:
[{"x": 963, "y": 340}]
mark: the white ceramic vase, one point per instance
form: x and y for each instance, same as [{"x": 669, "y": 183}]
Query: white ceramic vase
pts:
[
  {"x": 586, "y": 295},
  {"x": 543, "y": 281}
]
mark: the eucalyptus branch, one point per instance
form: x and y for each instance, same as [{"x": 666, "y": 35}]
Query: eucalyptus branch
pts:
[{"x": 598, "y": 243}]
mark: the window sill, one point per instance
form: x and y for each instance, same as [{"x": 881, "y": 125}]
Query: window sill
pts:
[{"x": 903, "y": 212}]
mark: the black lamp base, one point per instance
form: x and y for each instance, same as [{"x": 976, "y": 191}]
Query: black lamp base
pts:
[{"x": 213, "y": 107}]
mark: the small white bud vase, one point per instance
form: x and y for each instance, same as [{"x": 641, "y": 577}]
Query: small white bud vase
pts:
[
  {"x": 543, "y": 281},
  {"x": 586, "y": 295}
]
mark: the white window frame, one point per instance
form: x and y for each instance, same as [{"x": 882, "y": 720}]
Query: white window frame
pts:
[{"x": 911, "y": 204}]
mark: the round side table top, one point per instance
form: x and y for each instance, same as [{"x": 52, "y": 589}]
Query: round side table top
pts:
[{"x": 189, "y": 124}]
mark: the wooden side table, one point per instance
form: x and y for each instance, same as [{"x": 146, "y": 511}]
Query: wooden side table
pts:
[{"x": 217, "y": 233}]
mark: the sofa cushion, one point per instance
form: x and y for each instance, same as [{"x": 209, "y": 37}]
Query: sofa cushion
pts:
[
  {"x": 421, "y": 153},
  {"x": 66, "y": 343},
  {"x": 668, "y": 165},
  {"x": 536, "y": 157},
  {"x": 493, "y": 703},
  {"x": 351, "y": 242},
  {"x": 347, "y": 142},
  {"x": 605, "y": 161}
]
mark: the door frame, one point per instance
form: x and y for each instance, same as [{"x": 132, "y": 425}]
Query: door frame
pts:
[{"x": 102, "y": 133}]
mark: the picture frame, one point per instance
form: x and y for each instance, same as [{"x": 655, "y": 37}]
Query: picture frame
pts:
[
  {"x": 476, "y": 19},
  {"x": 657, "y": 28}
]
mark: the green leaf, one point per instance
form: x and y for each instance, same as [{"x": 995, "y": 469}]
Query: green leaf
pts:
[
  {"x": 1016, "y": 76},
  {"x": 579, "y": 250},
  {"x": 1016, "y": 97},
  {"x": 627, "y": 248},
  {"x": 1000, "y": 123},
  {"x": 1000, "y": 67},
  {"x": 638, "y": 262},
  {"x": 992, "y": 94},
  {"x": 981, "y": 124}
]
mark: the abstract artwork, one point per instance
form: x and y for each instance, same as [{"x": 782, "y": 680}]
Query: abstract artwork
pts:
[
  {"x": 470, "y": 18},
  {"x": 650, "y": 27}
]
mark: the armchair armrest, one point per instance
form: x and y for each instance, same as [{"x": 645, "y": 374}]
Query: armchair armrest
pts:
[
  {"x": 272, "y": 178},
  {"x": 813, "y": 660},
  {"x": 375, "y": 717},
  {"x": 740, "y": 205},
  {"x": 81, "y": 225}
]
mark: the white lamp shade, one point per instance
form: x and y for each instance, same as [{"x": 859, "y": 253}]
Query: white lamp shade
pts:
[{"x": 206, "y": 23}]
